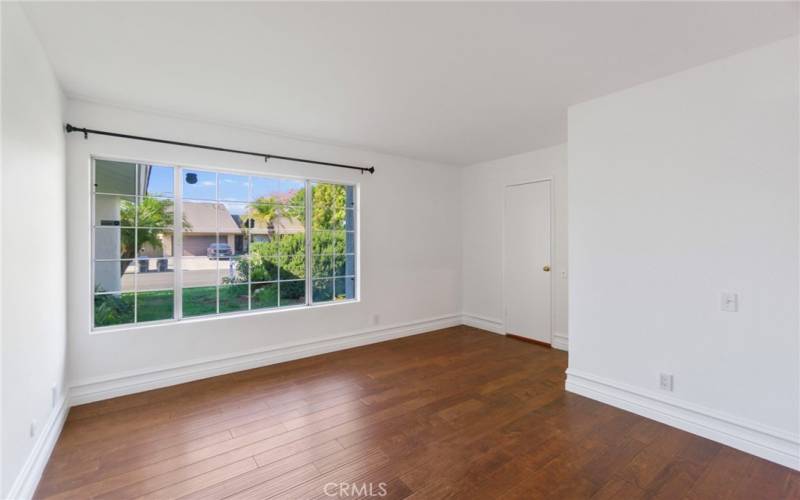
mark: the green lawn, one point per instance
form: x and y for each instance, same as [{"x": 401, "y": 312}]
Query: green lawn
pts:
[
  {"x": 199, "y": 301},
  {"x": 117, "y": 309},
  {"x": 154, "y": 306}
]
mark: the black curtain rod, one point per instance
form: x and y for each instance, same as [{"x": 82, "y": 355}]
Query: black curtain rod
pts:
[{"x": 86, "y": 131}]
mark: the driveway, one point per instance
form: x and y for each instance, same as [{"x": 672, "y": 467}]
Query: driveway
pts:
[{"x": 197, "y": 271}]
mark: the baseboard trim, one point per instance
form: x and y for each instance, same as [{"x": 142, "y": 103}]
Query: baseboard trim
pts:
[
  {"x": 27, "y": 480},
  {"x": 88, "y": 391},
  {"x": 560, "y": 341},
  {"x": 484, "y": 323},
  {"x": 529, "y": 341},
  {"x": 770, "y": 444}
]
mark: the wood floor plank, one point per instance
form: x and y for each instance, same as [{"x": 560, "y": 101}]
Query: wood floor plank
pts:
[
  {"x": 458, "y": 413},
  {"x": 617, "y": 489},
  {"x": 197, "y": 483},
  {"x": 258, "y": 440},
  {"x": 269, "y": 470},
  {"x": 267, "y": 478},
  {"x": 722, "y": 476},
  {"x": 183, "y": 430},
  {"x": 347, "y": 474}
]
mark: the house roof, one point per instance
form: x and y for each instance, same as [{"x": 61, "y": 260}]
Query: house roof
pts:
[
  {"x": 288, "y": 225},
  {"x": 201, "y": 217}
]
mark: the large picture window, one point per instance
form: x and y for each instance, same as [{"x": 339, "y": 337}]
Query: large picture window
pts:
[{"x": 172, "y": 242}]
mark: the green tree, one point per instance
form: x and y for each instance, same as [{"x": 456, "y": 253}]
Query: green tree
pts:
[
  {"x": 266, "y": 258},
  {"x": 287, "y": 253},
  {"x": 328, "y": 202},
  {"x": 155, "y": 217},
  {"x": 263, "y": 211}
]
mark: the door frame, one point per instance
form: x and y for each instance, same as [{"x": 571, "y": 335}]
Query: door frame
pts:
[{"x": 551, "y": 192}]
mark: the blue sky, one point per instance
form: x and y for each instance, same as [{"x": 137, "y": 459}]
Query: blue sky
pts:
[
  {"x": 160, "y": 182},
  {"x": 232, "y": 187}
]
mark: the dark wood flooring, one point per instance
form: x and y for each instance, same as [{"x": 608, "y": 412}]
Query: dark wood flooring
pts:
[{"x": 458, "y": 413}]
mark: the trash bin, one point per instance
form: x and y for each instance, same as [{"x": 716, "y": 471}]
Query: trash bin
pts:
[
  {"x": 162, "y": 265},
  {"x": 144, "y": 264}
]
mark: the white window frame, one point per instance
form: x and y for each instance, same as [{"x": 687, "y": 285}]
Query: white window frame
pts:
[{"x": 178, "y": 169}]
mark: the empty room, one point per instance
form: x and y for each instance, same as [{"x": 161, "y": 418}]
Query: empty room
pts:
[{"x": 400, "y": 250}]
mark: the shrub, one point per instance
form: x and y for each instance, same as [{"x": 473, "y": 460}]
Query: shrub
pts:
[{"x": 113, "y": 309}]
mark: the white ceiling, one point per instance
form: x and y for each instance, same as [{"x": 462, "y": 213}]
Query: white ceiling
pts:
[{"x": 450, "y": 82}]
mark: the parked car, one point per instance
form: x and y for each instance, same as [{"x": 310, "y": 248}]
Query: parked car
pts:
[{"x": 219, "y": 251}]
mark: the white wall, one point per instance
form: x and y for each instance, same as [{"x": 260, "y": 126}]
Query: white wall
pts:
[
  {"x": 482, "y": 196},
  {"x": 33, "y": 242},
  {"x": 679, "y": 189},
  {"x": 410, "y": 248}
]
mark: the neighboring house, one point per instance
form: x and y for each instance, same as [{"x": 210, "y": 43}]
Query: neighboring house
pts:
[
  {"x": 201, "y": 228},
  {"x": 202, "y": 221}
]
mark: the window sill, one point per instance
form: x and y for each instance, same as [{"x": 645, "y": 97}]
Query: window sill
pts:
[{"x": 217, "y": 317}]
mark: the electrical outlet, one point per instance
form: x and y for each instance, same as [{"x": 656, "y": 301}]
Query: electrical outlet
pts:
[
  {"x": 34, "y": 425},
  {"x": 53, "y": 396},
  {"x": 729, "y": 302},
  {"x": 665, "y": 382},
  {"x": 376, "y": 319},
  {"x": 563, "y": 275}
]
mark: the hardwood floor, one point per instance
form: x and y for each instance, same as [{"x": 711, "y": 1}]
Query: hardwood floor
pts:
[{"x": 458, "y": 413}]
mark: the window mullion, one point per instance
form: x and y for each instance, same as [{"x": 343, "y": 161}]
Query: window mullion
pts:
[
  {"x": 177, "y": 244},
  {"x": 308, "y": 208},
  {"x": 136, "y": 200},
  {"x": 248, "y": 235},
  {"x": 217, "y": 205}
]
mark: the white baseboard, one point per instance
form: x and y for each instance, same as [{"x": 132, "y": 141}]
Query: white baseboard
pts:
[
  {"x": 122, "y": 384},
  {"x": 560, "y": 341},
  {"x": 489, "y": 324},
  {"x": 27, "y": 480},
  {"x": 771, "y": 444}
]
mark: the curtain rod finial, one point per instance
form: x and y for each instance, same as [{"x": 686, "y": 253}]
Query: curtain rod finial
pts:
[{"x": 69, "y": 128}]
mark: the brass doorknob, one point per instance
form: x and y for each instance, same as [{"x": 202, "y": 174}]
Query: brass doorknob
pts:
[{"x": 546, "y": 269}]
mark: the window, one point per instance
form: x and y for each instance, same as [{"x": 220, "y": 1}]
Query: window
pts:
[{"x": 172, "y": 243}]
